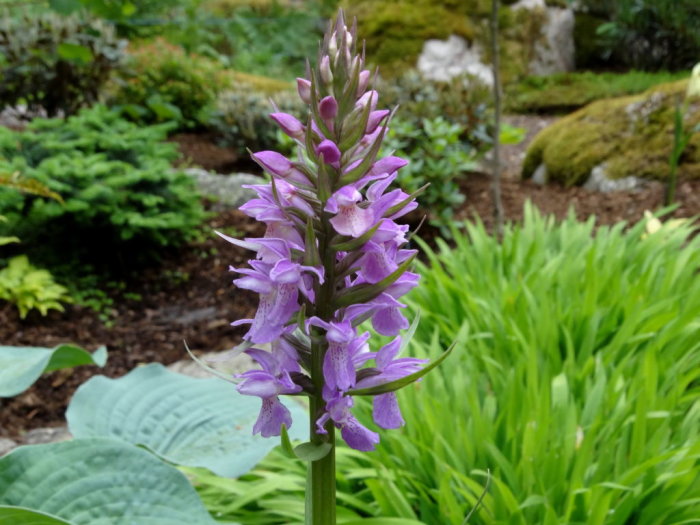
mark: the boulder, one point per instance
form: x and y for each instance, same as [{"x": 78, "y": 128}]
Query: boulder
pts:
[
  {"x": 451, "y": 37},
  {"x": 228, "y": 190},
  {"x": 442, "y": 60},
  {"x": 630, "y": 136}
]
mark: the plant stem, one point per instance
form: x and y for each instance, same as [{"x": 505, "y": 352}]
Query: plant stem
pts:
[
  {"x": 320, "y": 495},
  {"x": 320, "y": 504},
  {"x": 496, "y": 175}
]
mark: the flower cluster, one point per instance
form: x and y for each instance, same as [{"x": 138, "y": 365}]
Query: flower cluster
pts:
[{"x": 332, "y": 256}]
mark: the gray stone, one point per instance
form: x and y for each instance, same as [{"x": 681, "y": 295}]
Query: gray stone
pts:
[
  {"x": 442, "y": 60},
  {"x": 228, "y": 190},
  {"x": 555, "y": 51},
  {"x": 230, "y": 362},
  {"x": 6, "y": 446},
  {"x": 39, "y": 436},
  {"x": 540, "y": 175},
  {"x": 599, "y": 181}
]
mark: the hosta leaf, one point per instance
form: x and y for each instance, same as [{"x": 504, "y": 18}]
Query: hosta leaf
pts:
[
  {"x": 99, "y": 482},
  {"x": 21, "y": 516},
  {"x": 20, "y": 366},
  {"x": 188, "y": 421}
]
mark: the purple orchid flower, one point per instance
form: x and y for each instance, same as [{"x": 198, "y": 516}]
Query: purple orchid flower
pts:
[{"x": 329, "y": 258}]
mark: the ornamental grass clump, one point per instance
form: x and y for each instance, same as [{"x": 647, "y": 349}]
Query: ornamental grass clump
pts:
[{"x": 332, "y": 257}]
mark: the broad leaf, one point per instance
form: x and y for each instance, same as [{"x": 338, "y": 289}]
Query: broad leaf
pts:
[
  {"x": 22, "y": 516},
  {"x": 74, "y": 52},
  {"x": 99, "y": 481},
  {"x": 20, "y": 366},
  {"x": 188, "y": 421}
]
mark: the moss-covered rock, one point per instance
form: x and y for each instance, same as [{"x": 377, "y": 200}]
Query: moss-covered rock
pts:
[
  {"x": 630, "y": 136},
  {"x": 395, "y": 30}
]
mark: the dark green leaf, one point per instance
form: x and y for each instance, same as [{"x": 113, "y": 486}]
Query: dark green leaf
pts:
[{"x": 74, "y": 53}]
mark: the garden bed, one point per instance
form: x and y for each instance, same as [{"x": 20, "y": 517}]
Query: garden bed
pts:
[{"x": 190, "y": 297}]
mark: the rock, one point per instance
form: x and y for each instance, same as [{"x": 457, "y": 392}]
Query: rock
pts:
[
  {"x": 540, "y": 175},
  {"x": 599, "y": 181},
  {"x": 39, "y": 436},
  {"x": 6, "y": 446},
  {"x": 228, "y": 190},
  {"x": 447, "y": 38},
  {"x": 229, "y": 362},
  {"x": 443, "y": 60},
  {"x": 630, "y": 136},
  {"x": 554, "y": 51}
]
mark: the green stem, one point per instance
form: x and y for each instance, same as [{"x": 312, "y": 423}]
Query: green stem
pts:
[
  {"x": 320, "y": 505},
  {"x": 320, "y": 494}
]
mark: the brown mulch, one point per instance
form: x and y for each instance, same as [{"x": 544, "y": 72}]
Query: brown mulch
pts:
[
  {"x": 608, "y": 208},
  {"x": 203, "y": 150},
  {"x": 190, "y": 297}
]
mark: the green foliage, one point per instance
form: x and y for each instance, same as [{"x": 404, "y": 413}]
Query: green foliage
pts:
[
  {"x": 272, "y": 39},
  {"x": 53, "y": 62},
  {"x": 566, "y": 92},
  {"x": 160, "y": 83},
  {"x": 649, "y": 34},
  {"x": 88, "y": 481},
  {"x": 184, "y": 420},
  {"x": 130, "y": 17},
  {"x": 273, "y": 492},
  {"x": 463, "y": 100},
  {"x": 119, "y": 190},
  {"x": 243, "y": 118},
  {"x": 579, "y": 392},
  {"x": 30, "y": 288},
  {"x": 437, "y": 157},
  {"x": 23, "y": 365}
]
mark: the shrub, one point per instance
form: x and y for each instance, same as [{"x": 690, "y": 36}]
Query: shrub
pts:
[
  {"x": 120, "y": 194},
  {"x": 463, "y": 100},
  {"x": 30, "y": 288},
  {"x": 53, "y": 62},
  {"x": 650, "y": 34},
  {"x": 243, "y": 118},
  {"x": 437, "y": 157},
  {"x": 163, "y": 83}
]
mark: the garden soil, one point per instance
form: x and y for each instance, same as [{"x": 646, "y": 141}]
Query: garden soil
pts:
[{"x": 190, "y": 296}]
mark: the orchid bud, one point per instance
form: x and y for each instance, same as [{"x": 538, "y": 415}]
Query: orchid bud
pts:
[
  {"x": 375, "y": 118},
  {"x": 371, "y": 98},
  {"x": 333, "y": 45},
  {"x": 325, "y": 69},
  {"x": 694, "y": 83},
  {"x": 328, "y": 108},
  {"x": 363, "y": 82},
  {"x": 278, "y": 165},
  {"x": 304, "y": 90},
  {"x": 328, "y": 151},
  {"x": 289, "y": 124}
]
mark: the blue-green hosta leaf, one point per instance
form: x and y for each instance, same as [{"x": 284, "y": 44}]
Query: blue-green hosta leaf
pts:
[
  {"x": 20, "y": 366},
  {"x": 21, "y": 516},
  {"x": 188, "y": 421},
  {"x": 99, "y": 482}
]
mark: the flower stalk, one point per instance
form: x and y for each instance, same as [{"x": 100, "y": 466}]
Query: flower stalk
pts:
[{"x": 331, "y": 259}]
